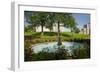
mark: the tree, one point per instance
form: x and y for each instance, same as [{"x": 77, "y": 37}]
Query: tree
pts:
[
  {"x": 29, "y": 28},
  {"x": 39, "y": 19},
  {"x": 50, "y": 21},
  {"x": 28, "y": 23},
  {"x": 76, "y": 29},
  {"x": 59, "y": 19},
  {"x": 71, "y": 23},
  {"x": 64, "y": 18}
]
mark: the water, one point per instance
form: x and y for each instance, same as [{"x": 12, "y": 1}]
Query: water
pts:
[{"x": 52, "y": 46}]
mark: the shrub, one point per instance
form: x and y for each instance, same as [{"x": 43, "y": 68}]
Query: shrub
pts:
[
  {"x": 45, "y": 54},
  {"x": 61, "y": 53},
  {"x": 81, "y": 53},
  {"x": 50, "y": 33},
  {"x": 66, "y": 34}
]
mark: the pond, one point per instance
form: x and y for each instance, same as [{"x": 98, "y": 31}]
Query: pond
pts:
[{"x": 52, "y": 46}]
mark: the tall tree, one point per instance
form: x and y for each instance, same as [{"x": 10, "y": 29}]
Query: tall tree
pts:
[
  {"x": 76, "y": 30},
  {"x": 28, "y": 23},
  {"x": 59, "y": 19},
  {"x": 71, "y": 23},
  {"x": 39, "y": 19},
  {"x": 66, "y": 19},
  {"x": 50, "y": 21}
]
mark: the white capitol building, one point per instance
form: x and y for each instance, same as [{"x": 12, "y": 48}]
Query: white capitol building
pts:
[
  {"x": 55, "y": 28},
  {"x": 84, "y": 30}
]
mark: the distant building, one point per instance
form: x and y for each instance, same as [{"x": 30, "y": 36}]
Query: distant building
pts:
[
  {"x": 55, "y": 28},
  {"x": 85, "y": 29}
]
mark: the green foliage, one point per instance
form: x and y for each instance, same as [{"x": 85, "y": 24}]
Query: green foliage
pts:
[
  {"x": 35, "y": 37},
  {"x": 39, "y": 19},
  {"x": 50, "y": 33},
  {"x": 28, "y": 33},
  {"x": 60, "y": 53},
  {"x": 66, "y": 34},
  {"x": 71, "y": 22},
  {"x": 81, "y": 53},
  {"x": 42, "y": 55},
  {"x": 50, "y": 21},
  {"x": 81, "y": 36},
  {"x": 27, "y": 51},
  {"x": 76, "y": 30}
]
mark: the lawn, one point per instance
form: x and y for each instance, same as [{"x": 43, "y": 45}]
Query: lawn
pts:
[{"x": 36, "y": 37}]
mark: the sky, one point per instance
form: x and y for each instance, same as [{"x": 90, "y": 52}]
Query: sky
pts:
[{"x": 81, "y": 18}]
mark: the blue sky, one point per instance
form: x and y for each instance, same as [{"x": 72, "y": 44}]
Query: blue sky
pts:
[{"x": 81, "y": 18}]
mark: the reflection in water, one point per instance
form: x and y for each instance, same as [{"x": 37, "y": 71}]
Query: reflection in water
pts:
[
  {"x": 51, "y": 51},
  {"x": 52, "y": 46}
]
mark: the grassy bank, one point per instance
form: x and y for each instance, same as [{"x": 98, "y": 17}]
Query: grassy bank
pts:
[{"x": 36, "y": 37}]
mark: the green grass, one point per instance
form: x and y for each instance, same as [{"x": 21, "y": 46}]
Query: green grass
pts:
[
  {"x": 75, "y": 35},
  {"x": 81, "y": 36},
  {"x": 52, "y": 36},
  {"x": 68, "y": 34},
  {"x": 29, "y": 33}
]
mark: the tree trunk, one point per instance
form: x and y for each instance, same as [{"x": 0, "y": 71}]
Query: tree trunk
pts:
[
  {"x": 50, "y": 30},
  {"x": 42, "y": 30},
  {"x": 59, "y": 38},
  {"x": 72, "y": 34}
]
